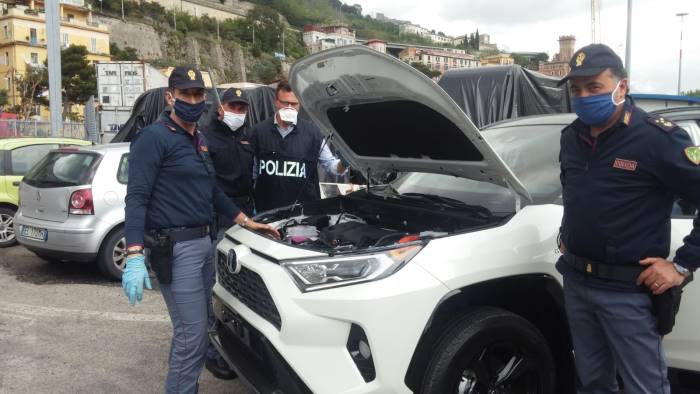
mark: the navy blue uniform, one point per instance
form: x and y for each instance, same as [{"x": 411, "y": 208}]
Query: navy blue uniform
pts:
[
  {"x": 619, "y": 190},
  {"x": 233, "y": 154},
  {"x": 286, "y": 166},
  {"x": 171, "y": 181}
]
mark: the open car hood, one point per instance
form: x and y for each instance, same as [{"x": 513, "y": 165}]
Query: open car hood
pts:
[{"x": 385, "y": 115}]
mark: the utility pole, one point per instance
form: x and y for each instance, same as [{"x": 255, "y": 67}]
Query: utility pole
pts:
[
  {"x": 53, "y": 48},
  {"x": 174, "y": 20},
  {"x": 218, "y": 37},
  {"x": 123, "y": 18},
  {"x": 680, "y": 53},
  {"x": 628, "y": 46},
  {"x": 283, "y": 41},
  {"x": 253, "y": 27}
]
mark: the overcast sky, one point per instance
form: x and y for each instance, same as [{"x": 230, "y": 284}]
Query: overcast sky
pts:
[{"x": 535, "y": 25}]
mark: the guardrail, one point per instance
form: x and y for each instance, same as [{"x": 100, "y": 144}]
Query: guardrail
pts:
[{"x": 34, "y": 128}]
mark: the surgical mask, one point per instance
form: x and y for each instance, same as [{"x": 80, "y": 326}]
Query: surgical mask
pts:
[
  {"x": 596, "y": 110},
  {"x": 289, "y": 115},
  {"x": 189, "y": 112},
  {"x": 233, "y": 120}
]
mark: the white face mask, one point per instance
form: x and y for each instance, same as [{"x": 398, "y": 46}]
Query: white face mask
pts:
[
  {"x": 233, "y": 120},
  {"x": 289, "y": 115}
]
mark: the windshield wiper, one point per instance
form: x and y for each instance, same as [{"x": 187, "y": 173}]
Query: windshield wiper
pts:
[{"x": 450, "y": 203}]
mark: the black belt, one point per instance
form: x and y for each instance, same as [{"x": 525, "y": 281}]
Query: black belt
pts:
[
  {"x": 623, "y": 273},
  {"x": 182, "y": 234}
]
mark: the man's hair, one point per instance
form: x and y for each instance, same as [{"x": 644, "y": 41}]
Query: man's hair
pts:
[
  {"x": 283, "y": 86},
  {"x": 618, "y": 73}
]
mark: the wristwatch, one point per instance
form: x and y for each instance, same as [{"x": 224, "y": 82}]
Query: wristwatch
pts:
[
  {"x": 245, "y": 221},
  {"x": 681, "y": 270}
]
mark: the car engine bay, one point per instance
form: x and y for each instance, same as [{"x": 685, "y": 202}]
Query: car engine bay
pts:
[{"x": 362, "y": 221}]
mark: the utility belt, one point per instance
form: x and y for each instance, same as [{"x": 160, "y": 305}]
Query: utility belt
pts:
[
  {"x": 620, "y": 273},
  {"x": 665, "y": 306},
  {"x": 160, "y": 245}
]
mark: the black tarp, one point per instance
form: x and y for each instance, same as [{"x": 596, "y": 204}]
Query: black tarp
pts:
[
  {"x": 150, "y": 104},
  {"x": 491, "y": 94}
]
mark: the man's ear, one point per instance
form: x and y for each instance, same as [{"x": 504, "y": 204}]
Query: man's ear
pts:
[{"x": 624, "y": 89}]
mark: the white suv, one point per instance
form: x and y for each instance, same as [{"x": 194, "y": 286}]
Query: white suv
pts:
[{"x": 440, "y": 281}]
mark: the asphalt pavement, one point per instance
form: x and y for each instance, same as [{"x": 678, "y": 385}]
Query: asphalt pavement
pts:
[{"x": 64, "y": 328}]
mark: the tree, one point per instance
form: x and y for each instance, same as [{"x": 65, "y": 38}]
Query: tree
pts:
[
  {"x": 77, "y": 77},
  {"x": 425, "y": 70},
  {"x": 126, "y": 54},
  {"x": 30, "y": 88},
  {"x": 693, "y": 93},
  {"x": 3, "y": 98},
  {"x": 477, "y": 40}
]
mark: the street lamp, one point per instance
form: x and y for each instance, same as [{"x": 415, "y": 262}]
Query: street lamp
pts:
[{"x": 680, "y": 52}]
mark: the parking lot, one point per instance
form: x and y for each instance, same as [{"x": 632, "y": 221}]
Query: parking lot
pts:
[{"x": 64, "y": 328}]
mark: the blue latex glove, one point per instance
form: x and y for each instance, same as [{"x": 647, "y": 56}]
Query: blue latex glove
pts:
[{"x": 134, "y": 276}]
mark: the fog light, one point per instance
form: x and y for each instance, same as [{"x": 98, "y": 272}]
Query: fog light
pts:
[{"x": 361, "y": 353}]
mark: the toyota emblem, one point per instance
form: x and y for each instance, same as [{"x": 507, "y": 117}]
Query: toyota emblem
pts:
[{"x": 232, "y": 262}]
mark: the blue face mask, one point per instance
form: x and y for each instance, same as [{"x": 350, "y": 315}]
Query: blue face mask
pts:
[
  {"x": 596, "y": 110},
  {"x": 189, "y": 112}
]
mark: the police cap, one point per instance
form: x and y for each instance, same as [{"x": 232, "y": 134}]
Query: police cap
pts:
[
  {"x": 592, "y": 60},
  {"x": 185, "y": 77},
  {"x": 233, "y": 95}
]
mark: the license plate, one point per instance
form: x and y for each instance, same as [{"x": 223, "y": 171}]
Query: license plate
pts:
[{"x": 35, "y": 233}]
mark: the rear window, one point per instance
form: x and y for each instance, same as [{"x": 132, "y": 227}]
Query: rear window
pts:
[{"x": 61, "y": 169}]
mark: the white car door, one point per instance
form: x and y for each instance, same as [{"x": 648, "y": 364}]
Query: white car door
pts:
[{"x": 682, "y": 346}]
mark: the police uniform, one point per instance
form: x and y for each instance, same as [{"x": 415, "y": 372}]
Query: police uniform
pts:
[
  {"x": 618, "y": 192},
  {"x": 286, "y": 165},
  {"x": 172, "y": 190},
  {"x": 233, "y": 155}
]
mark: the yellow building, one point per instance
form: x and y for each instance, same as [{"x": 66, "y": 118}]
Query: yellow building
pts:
[
  {"x": 23, "y": 38},
  {"x": 501, "y": 59}
]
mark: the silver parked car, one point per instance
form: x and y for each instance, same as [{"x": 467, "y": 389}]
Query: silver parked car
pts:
[{"x": 72, "y": 206}]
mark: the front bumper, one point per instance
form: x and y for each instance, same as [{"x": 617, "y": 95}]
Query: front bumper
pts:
[
  {"x": 309, "y": 340},
  {"x": 251, "y": 355}
]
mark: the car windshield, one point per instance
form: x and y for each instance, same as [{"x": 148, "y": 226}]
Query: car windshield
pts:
[
  {"x": 531, "y": 152},
  {"x": 61, "y": 169}
]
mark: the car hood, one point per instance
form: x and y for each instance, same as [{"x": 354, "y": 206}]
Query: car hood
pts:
[{"x": 384, "y": 115}]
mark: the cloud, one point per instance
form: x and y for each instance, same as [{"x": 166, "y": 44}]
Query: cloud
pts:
[{"x": 535, "y": 25}]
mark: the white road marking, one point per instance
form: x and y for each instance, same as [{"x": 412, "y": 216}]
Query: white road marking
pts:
[{"x": 47, "y": 311}]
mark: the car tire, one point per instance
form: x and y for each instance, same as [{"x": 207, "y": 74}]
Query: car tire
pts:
[
  {"x": 490, "y": 350},
  {"x": 7, "y": 228},
  {"x": 112, "y": 255}
]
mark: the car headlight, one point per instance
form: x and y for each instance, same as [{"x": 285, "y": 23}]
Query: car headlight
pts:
[{"x": 317, "y": 274}]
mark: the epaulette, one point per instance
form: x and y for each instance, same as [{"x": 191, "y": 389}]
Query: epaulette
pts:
[{"x": 662, "y": 123}]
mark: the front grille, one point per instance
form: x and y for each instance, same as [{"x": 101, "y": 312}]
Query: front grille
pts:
[{"x": 248, "y": 287}]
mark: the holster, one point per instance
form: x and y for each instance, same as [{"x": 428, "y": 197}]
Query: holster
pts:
[
  {"x": 665, "y": 307},
  {"x": 160, "y": 255}
]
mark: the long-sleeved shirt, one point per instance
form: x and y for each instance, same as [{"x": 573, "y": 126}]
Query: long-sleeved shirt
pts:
[
  {"x": 171, "y": 181},
  {"x": 619, "y": 188}
]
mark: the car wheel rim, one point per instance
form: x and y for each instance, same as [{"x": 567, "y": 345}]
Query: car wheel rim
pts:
[
  {"x": 7, "y": 229},
  {"x": 119, "y": 254},
  {"x": 499, "y": 368}
]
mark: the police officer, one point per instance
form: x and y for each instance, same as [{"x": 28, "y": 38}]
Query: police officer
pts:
[
  {"x": 233, "y": 156},
  {"x": 287, "y": 150},
  {"x": 170, "y": 196},
  {"x": 620, "y": 171},
  {"x": 231, "y": 150}
]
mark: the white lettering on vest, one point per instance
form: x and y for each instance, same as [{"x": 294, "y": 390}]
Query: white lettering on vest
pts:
[{"x": 285, "y": 168}]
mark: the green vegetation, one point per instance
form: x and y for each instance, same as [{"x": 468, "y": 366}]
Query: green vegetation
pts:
[
  {"x": 126, "y": 54},
  {"x": 425, "y": 70},
  {"x": 693, "y": 93},
  {"x": 78, "y": 78}
]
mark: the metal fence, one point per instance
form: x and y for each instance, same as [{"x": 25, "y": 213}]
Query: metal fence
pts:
[{"x": 35, "y": 128}]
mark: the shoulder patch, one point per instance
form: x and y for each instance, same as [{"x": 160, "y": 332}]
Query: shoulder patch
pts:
[
  {"x": 693, "y": 154},
  {"x": 662, "y": 123}
]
